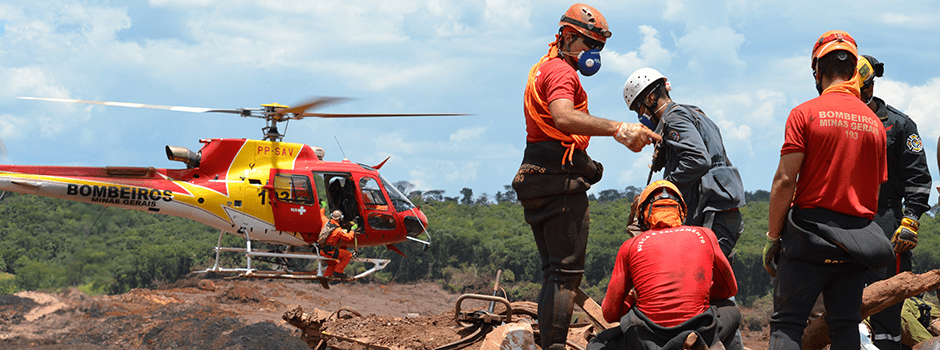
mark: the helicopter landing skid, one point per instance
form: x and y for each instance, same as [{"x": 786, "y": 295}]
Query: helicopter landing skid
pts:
[{"x": 284, "y": 272}]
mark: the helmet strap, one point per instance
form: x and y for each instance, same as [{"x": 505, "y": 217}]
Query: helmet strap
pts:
[
  {"x": 656, "y": 95},
  {"x": 869, "y": 87}
]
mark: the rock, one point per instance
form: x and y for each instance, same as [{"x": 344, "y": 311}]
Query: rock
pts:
[
  {"x": 931, "y": 344},
  {"x": 206, "y": 285},
  {"x": 510, "y": 336}
]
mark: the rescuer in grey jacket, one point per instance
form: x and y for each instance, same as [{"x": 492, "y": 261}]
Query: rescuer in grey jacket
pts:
[{"x": 691, "y": 155}]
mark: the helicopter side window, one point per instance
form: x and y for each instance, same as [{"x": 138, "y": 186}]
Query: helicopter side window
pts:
[
  {"x": 372, "y": 196},
  {"x": 293, "y": 189}
]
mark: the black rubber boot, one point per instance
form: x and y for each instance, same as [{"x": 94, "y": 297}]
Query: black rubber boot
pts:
[{"x": 555, "y": 308}]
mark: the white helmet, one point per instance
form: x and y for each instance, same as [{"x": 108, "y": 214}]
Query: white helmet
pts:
[{"x": 637, "y": 82}]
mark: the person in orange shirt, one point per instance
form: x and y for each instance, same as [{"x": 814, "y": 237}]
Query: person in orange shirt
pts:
[{"x": 331, "y": 237}]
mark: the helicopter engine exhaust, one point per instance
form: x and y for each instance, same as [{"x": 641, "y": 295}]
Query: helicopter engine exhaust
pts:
[{"x": 183, "y": 154}]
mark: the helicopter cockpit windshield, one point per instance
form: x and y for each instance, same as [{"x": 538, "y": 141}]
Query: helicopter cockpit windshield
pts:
[{"x": 399, "y": 200}]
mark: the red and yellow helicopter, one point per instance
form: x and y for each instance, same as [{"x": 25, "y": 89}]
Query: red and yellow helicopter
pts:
[{"x": 263, "y": 190}]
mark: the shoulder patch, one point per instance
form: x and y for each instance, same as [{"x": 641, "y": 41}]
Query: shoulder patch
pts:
[
  {"x": 914, "y": 143},
  {"x": 673, "y": 135}
]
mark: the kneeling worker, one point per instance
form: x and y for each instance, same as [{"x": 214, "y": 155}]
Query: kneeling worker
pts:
[
  {"x": 331, "y": 236},
  {"x": 681, "y": 279}
]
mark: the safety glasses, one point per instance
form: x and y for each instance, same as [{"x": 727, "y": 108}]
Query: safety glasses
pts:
[{"x": 593, "y": 44}]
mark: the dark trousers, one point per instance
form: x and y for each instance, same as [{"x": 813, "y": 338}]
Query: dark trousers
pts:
[
  {"x": 560, "y": 228},
  {"x": 718, "y": 323},
  {"x": 886, "y": 325},
  {"x": 727, "y": 226},
  {"x": 796, "y": 288}
]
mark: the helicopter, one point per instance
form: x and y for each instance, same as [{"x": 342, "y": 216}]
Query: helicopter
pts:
[{"x": 265, "y": 191}]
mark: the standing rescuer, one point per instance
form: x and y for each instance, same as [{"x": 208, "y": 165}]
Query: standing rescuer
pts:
[
  {"x": 822, "y": 201},
  {"x": 908, "y": 181},
  {"x": 691, "y": 155},
  {"x": 556, "y": 172}
]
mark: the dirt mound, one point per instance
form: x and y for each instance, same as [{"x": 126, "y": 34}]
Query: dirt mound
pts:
[
  {"x": 418, "y": 333},
  {"x": 233, "y": 314},
  {"x": 236, "y": 314}
]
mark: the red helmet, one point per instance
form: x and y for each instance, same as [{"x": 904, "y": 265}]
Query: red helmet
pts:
[
  {"x": 831, "y": 41},
  {"x": 587, "y": 21}
]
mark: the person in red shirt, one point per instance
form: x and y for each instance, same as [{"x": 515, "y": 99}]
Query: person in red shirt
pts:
[
  {"x": 822, "y": 201},
  {"x": 556, "y": 171},
  {"x": 658, "y": 300}
]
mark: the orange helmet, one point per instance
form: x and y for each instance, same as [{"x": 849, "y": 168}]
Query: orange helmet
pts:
[
  {"x": 586, "y": 20},
  {"x": 831, "y": 41},
  {"x": 661, "y": 205}
]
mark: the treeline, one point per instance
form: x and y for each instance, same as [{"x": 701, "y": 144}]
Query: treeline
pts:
[{"x": 51, "y": 244}]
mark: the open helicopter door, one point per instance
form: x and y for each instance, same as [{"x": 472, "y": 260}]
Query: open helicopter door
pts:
[{"x": 293, "y": 196}]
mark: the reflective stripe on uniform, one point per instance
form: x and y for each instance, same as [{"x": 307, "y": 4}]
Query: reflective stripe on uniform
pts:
[
  {"x": 885, "y": 336},
  {"x": 917, "y": 190}
]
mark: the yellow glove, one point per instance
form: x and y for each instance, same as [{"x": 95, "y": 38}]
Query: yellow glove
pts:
[{"x": 905, "y": 237}]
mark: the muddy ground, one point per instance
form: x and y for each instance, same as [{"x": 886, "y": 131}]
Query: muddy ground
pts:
[{"x": 235, "y": 314}]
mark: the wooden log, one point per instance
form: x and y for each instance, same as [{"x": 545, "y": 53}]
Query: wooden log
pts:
[
  {"x": 592, "y": 309},
  {"x": 875, "y": 298}
]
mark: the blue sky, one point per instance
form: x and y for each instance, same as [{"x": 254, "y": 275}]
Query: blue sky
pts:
[{"x": 745, "y": 63}]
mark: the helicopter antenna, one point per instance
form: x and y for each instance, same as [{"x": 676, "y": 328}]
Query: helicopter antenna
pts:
[{"x": 340, "y": 147}]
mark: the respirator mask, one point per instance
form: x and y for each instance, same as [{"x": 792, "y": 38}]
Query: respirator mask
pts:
[{"x": 589, "y": 62}]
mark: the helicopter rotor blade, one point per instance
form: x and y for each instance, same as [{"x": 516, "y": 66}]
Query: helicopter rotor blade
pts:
[
  {"x": 315, "y": 103},
  {"x": 136, "y": 105},
  {"x": 376, "y": 115}
]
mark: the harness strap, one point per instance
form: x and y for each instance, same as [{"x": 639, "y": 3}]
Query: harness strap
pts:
[{"x": 570, "y": 142}]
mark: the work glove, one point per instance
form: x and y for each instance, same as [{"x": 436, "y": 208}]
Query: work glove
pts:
[
  {"x": 635, "y": 136},
  {"x": 905, "y": 237},
  {"x": 771, "y": 251}
]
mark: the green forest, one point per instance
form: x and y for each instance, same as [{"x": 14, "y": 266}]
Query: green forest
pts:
[{"x": 52, "y": 244}]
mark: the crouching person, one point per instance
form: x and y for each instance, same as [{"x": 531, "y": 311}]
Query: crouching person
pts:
[
  {"x": 679, "y": 278},
  {"x": 332, "y": 235}
]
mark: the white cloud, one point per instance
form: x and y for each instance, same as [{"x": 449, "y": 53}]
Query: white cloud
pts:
[
  {"x": 916, "y": 20},
  {"x": 712, "y": 49},
  {"x": 463, "y": 171},
  {"x": 673, "y": 9},
  {"x": 393, "y": 143},
  {"x": 918, "y": 102},
  {"x": 468, "y": 134},
  {"x": 508, "y": 14},
  {"x": 11, "y": 127},
  {"x": 30, "y": 81},
  {"x": 638, "y": 170},
  {"x": 437, "y": 172},
  {"x": 650, "y": 54}
]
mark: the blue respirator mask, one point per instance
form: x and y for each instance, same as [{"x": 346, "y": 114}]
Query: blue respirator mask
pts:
[
  {"x": 589, "y": 62},
  {"x": 646, "y": 120}
]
